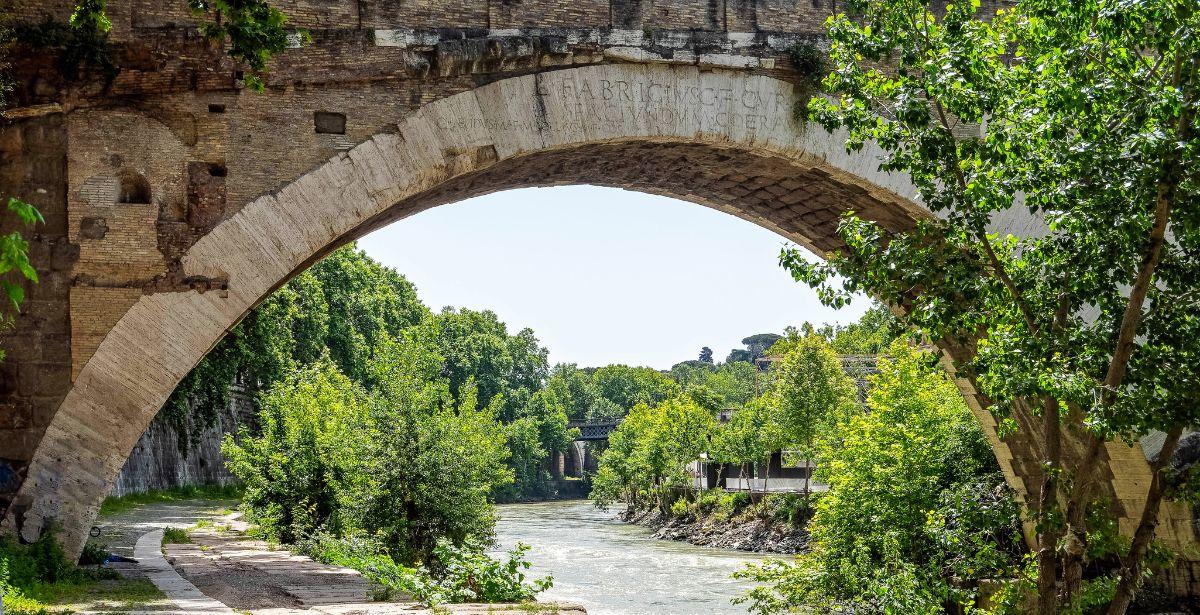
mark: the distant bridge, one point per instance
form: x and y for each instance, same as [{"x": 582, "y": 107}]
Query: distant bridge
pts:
[{"x": 593, "y": 431}]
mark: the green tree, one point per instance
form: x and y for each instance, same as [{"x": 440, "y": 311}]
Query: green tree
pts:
[
  {"x": 915, "y": 499},
  {"x": 290, "y": 468},
  {"x": 750, "y": 437},
  {"x": 870, "y": 334},
  {"x": 629, "y": 466},
  {"x": 689, "y": 373},
  {"x": 733, "y": 383},
  {"x": 756, "y": 347},
  {"x": 365, "y": 302},
  {"x": 397, "y": 462},
  {"x": 341, "y": 307},
  {"x": 1089, "y": 329},
  {"x": 812, "y": 394},
  {"x": 706, "y": 355},
  {"x": 476, "y": 347},
  {"x": 627, "y": 387},
  {"x": 574, "y": 390},
  {"x": 539, "y": 430},
  {"x": 14, "y": 257},
  {"x": 650, "y": 450}
]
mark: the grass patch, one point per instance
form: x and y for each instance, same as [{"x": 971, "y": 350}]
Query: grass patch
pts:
[
  {"x": 176, "y": 536},
  {"x": 115, "y": 505},
  {"x": 38, "y": 579},
  {"x": 95, "y": 595}
]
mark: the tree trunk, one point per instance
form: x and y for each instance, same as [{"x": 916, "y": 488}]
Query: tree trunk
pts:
[
  {"x": 807, "y": 476},
  {"x": 766, "y": 477},
  {"x": 1048, "y": 534},
  {"x": 1077, "y": 505},
  {"x": 1133, "y": 564}
]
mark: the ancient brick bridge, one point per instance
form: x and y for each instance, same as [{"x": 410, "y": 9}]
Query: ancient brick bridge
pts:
[{"x": 175, "y": 200}]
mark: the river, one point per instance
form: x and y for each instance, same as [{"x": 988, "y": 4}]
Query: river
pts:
[{"x": 616, "y": 568}]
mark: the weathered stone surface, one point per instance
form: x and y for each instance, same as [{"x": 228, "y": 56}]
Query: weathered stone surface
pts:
[
  {"x": 210, "y": 196},
  {"x": 160, "y": 461}
]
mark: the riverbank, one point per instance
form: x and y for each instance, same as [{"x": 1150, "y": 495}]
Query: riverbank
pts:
[
  {"x": 752, "y": 534},
  {"x": 713, "y": 518}
]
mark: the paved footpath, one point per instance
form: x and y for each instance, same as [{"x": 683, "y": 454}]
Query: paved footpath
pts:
[{"x": 224, "y": 571}]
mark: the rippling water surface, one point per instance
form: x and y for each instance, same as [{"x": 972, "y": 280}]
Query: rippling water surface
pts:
[{"x": 615, "y": 568}]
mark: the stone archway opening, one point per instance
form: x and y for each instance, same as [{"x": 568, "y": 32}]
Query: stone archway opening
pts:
[{"x": 722, "y": 139}]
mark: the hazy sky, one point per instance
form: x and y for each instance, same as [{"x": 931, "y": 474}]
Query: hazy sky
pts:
[{"x": 604, "y": 275}]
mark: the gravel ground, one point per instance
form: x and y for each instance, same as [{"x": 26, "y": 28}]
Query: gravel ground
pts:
[{"x": 120, "y": 531}]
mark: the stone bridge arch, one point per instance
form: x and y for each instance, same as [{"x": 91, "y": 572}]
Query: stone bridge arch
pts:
[{"x": 725, "y": 139}]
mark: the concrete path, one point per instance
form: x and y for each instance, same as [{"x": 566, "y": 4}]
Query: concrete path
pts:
[
  {"x": 119, "y": 532},
  {"x": 184, "y": 595}
]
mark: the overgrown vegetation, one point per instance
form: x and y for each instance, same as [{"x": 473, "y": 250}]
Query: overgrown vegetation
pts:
[
  {"x": 453, "y": 574},
  {"x": 917, "y": 517},
  {"x": 255, "y": 30},
  {"x": 175, "y": 536},
  {"x": 38, "y": 579},
  {"x": 15, "y": 267},
  {"x": 1082, "y": 118},
  {"x": 647, "y": 459},
  {"x": 77, "y": 49}
]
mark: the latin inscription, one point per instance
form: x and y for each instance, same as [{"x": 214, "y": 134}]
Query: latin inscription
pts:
[{"x": 617, "y": 104}]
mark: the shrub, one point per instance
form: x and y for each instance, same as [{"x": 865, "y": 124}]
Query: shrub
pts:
[
  {"x": 93, "y": 554},
  {"x": 175, "y": 535},
  {"x": 793, "y": 508},
  {"x": 454, "y": 574},
  {"x": 807, "y": 60},
  {"x": 708, "y": 500},
  {"x": 42, "y": 561},
  {"x": 24, "y": 569},
  {"x": 680, "y": 508}
]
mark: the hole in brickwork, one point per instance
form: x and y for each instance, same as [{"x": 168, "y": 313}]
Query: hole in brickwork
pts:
[
  {"x": 217, "y": 169},
  {"x": 216, "y": 108},
  {"x": 134, "y": 189},
  {"x": 329, "y": 123},
  {"x": 93, "y": 228}
]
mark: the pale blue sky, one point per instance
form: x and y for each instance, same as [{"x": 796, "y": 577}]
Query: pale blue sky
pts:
[{"x": 604, "y": 275}]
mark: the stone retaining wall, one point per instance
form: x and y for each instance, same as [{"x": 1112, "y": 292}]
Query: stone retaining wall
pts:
[{"x": 159, "y": 463}]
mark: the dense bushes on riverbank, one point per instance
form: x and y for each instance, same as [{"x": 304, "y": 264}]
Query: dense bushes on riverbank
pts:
[
  {"x": 648, "y": 455},
  {"x": 917, "y": 515}
]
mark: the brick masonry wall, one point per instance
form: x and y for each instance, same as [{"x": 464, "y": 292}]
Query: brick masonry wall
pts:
[{"x": 35, "y": 374}]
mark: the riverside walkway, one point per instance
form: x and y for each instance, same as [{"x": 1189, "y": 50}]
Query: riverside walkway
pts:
[{"x": 224, "y": 571}]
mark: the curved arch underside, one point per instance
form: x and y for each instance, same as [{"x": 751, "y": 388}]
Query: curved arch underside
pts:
[
  {"x": 727, "y": 140},
  {"x": 802, "y": 203}
]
